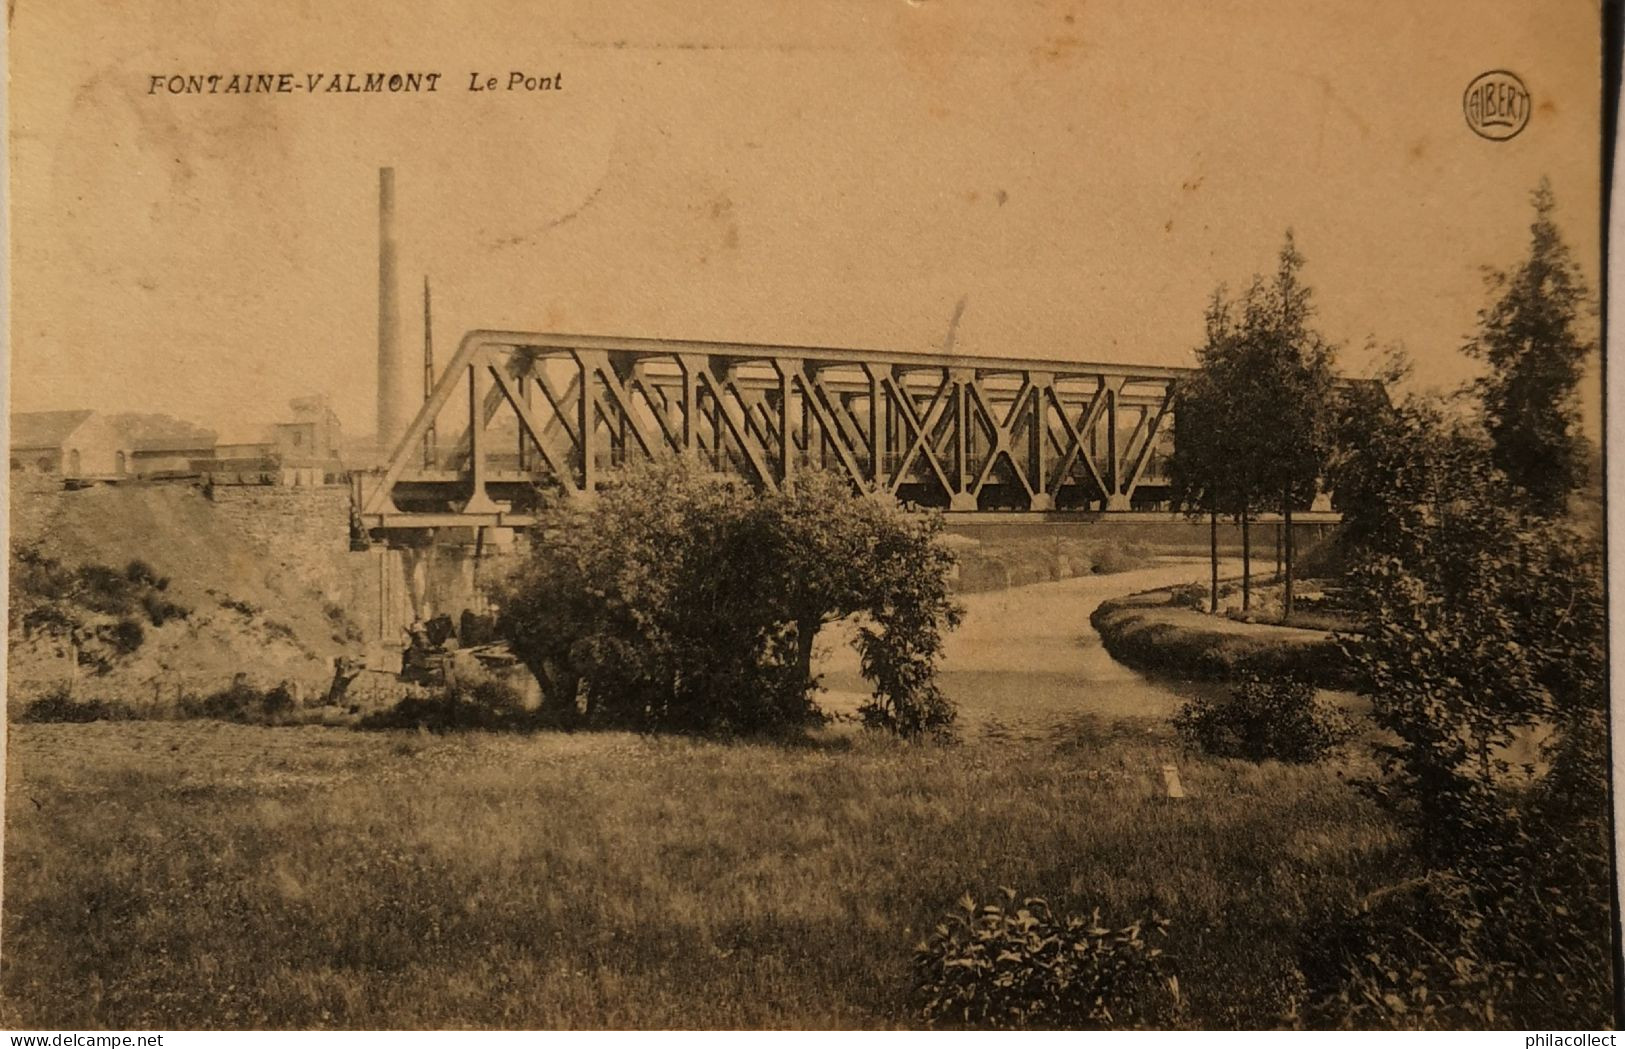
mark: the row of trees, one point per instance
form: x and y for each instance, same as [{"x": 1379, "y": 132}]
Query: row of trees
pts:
[
  {"x": 1253, "y": 427},
  {"x": 1264, "y": 424}
]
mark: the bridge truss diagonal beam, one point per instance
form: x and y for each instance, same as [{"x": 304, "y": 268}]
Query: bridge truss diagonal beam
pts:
[{"x": 960, "y": 432}]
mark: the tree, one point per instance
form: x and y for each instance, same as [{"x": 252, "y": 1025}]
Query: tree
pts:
[
  {"x": 1197, "y": 466},
  {"x": 1391, "y": 461},
  {"x": 1262, "y": 407},
  {"x": 680, "y": 599},
  {"x": 838, "y": 555},
  {"x": 1483, "y": 626},
  {"x": 1530, "y": 338}
]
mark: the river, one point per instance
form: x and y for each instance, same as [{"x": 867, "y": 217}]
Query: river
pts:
[{"x": 1027, "y": 656}]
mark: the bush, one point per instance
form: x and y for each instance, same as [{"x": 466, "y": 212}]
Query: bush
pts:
[
  {"x": 242, "y": 702},
  {"x": 142, "y": 574},
  {"x": 1445, "y": 951},
  {"x": 1112, "y": 557},
  {"x": 679, "y": 600},
  {"x": 160, "y": 609},
  {"x": 59, "y": 706},
  {"x": 96, "y": 608},
  {"x": 487, "y": 705},
  {"x": 1262, "y": 720},
  {"x": 1010, "y": 966},
  {"x": 1403, "y": 957},
  {"x": 1145, "y": 632},
  {"x": 106, "y": 590},
  {"x": 123, "y": 637}
]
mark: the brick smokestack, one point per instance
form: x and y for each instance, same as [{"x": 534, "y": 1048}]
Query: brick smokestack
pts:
[{"x": 396, "y": 402}]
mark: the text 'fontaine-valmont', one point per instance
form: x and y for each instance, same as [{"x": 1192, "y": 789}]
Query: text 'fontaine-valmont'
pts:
[{"x": 345, "y": 83}]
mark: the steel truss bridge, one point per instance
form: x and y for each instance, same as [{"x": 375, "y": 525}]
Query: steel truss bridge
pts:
[{"x": 941, "y": 430}]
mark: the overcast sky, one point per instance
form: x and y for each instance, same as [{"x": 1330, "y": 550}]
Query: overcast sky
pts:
[{"x": 1080, "y": 174}]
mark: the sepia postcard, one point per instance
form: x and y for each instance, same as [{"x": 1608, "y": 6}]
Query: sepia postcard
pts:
[{"x": 882, "y": 515}]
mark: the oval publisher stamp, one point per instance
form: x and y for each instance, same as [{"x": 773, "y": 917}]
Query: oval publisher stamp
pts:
[{"x": 1496, "y": 105}]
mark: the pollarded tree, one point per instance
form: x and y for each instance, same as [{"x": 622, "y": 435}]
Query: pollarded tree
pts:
[{"x": 1530, "y": 336}]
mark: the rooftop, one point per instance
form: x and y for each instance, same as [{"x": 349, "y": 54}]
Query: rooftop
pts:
[{"x": 45, "y": 429}]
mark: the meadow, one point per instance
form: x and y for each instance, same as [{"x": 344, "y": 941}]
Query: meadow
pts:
[{"x": 203, "y": 874}]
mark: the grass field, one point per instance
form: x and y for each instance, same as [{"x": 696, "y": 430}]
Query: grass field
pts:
[{"x": 196, "y": 874}]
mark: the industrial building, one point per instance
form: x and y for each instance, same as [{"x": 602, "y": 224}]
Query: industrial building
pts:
[
  {"x": 84, "y": 446},
  {"x": 78, "y": 445}
]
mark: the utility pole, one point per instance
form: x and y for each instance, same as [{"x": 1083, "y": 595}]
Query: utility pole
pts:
[{"x": 428, "y": 375}]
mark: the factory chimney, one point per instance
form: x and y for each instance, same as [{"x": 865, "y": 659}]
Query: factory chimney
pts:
[{"x": 396, "y": 403}]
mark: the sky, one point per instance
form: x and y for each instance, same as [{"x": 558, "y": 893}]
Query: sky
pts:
[{"x": 1073, "y": 178}]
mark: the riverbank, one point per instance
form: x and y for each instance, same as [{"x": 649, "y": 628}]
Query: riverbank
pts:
[
  {"x": 1015, "y": 561},
  {"x": 1149, "y": 632}
]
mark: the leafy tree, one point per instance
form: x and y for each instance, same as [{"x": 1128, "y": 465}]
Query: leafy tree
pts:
[
  {"x": 640, "y": 605},
  {"x": 1261, "y": 408},
  {"x": 1531, "y": 340},
  {"x": 680, "y": 599},
  {"x": 1484, "y": 629},
  {"x": 1198, "y": 466}
]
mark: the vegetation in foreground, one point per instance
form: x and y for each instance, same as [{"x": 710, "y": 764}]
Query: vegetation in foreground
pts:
[
  {"x": 1266, "y": 720},
  {"x": 209, "y": 874}
]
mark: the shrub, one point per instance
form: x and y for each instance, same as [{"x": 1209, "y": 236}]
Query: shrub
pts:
[
  {"x": 1189, "y": 595},
  {"x": 59, "y": 706},
  {"x": 679, "y": 600},
  {"x": 1017, "y": 966},
  {"x": 1112, "y": 557},
  {"x": 280, "y": 631},
  {"x": 1281, "y": 720},
  {"x": 160, "y": 609},
  {"x": 98, "y": 609},
  {"x": 142, "y": 574},
  {"x": 1447, "y": 951},
  {"x": 242, "y": 702},
  {"x": 488, "y": 705},
  {"x": 106, "y": 590},
  {"x": 1139, "y": 632},
  {"x": 123, "y": 637}
]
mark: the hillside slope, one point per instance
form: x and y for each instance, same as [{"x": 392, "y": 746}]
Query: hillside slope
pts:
[{"x": 247, "y": 614}]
